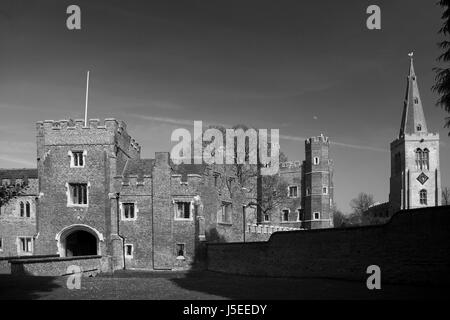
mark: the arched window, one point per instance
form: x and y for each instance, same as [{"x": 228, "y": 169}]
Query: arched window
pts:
[
  {"x": 22, "y": 209},
  {"x": 28, "y": 209},
  {"x": 423, "y": 196},
  {"x": 419, "y": 158},
  {"x": 425, "y": 159}
]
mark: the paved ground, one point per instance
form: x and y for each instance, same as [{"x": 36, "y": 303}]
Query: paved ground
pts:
[{"x": 203, "y": 285}]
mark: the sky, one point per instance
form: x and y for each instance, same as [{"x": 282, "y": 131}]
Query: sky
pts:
[{"x": 303, "y": 67}]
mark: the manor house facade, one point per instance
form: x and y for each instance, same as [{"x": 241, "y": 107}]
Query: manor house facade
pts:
[{"x": 93, "y": 194}]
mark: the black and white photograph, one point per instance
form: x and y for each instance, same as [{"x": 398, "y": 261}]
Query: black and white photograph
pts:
[{"x": 222, "y": 155}]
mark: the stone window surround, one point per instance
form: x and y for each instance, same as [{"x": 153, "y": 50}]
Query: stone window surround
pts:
[
  {"x": 19, "y": 245},
  {"x": 289, "y": 191},
  {"x": 19, "y": 209},
  {"x": 189, "y": 199},
  {"x": 72, "y": 161},
  {"x": 314, "y": 216},
  {"x": 122, "y": 211},
  {"x": 126, "y": 250},
  {"x": 183, "y": 257},
  {"x": 69, "y": 199},
  {"x": 282, "y": 214}
]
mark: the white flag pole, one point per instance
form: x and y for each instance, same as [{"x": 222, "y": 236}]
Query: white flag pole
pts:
[{"x": 87, "y": 95}]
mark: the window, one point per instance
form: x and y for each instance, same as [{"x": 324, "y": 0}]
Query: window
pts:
[
  {"x": 425, "y": 159},
  {"x": 419, "y": 127},
  {"x": 77, "y": 158},
  {"x": 129, "y": 251},
  {"x": 22, "y": 209},
  {"x": 308, "y": 191},
  {"x": 266, "y": 217},
  {"x": 180, "y": 250},
  {"x": 28, "y": 209},
  {"x": 225, "y": 213},
  {"x": 1, "y": 244},
  {"x": 316, "y": 160},
  {"x": 316, "y": 215},
  {"x": 423, "y": 196},
  {"x": 25, "y": 245},
  {"x": 285, "y": 215},
  {"x": 78, "y": 194},
  {"x": 293, "y": 192},
  {"x": 182, "y": 210},
  {"x": 416, "y": 100},
  {"x": 422, "y": 159},
  {"x": 128, "y": 211},
  {"x": 325, "y": 190}
]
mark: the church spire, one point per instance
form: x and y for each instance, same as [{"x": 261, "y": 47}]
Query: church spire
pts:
[{"x": 413, "y": 119}]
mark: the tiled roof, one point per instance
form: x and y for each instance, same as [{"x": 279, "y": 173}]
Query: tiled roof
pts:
[
  {"x": 18, "y": 173},
  {"x": 139, "y": 167}
]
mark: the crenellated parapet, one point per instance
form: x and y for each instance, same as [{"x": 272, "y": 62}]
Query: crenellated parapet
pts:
[
  {"x": 190, "y": 178},
  {"x": 318, "y": 139},
  {"x": 64, "y": 132}
]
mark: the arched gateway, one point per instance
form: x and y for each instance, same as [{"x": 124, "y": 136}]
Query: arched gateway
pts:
[{"x": 78, "y": 240}]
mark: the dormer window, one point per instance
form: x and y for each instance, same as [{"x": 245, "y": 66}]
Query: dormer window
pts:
[{"x": 77, "y": 159}]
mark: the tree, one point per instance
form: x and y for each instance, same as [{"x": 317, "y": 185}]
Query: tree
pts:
[
  {"x": 361, "y": 203},
  {"x": 442, "y": 86},
  {"x": 445, "y": 196},
  {"x": 339, "y": 219},
  {"x": 7, "y": 192}
]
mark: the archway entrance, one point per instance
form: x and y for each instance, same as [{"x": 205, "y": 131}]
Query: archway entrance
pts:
[
  {"x": 80, "y": 243},
  {"x": 79, "y": 240}
]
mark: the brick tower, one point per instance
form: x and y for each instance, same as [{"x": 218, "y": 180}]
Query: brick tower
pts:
[
  {"x": 415, "y": 174},
  {"x": 77, "y": 163},
  {"x": 318, "y": 184}
]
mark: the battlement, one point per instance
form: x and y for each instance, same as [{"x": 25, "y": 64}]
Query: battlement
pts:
[
  {"x": 188, "y": 178},
  {"x": 71, "y": 130},
  {"x": 425, "y": 136},
  {"x": 290, "y": 164},
  {"x": 318, "y": 139},
  {"x": 70, "y": 124},
  {"x": 422, "y": 135}
]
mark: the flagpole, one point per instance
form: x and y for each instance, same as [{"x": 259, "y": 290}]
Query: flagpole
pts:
[{"x": 87, "y": 95}]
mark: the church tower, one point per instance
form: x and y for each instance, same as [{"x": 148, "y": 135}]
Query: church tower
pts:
[{"x": 415, "y": 173}]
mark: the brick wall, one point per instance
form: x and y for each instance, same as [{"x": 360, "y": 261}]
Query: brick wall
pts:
[
  {"x": 13, "y": 225},
  {"x": 107, "y": 146},
  {"x": 412, "y": 248},
  {"x": 90, "y": 265}
]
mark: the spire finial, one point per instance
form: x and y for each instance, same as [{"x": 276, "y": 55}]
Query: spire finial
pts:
[{"x": 411, "y": 65}]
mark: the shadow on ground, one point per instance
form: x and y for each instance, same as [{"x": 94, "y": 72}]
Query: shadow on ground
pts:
[
  {"x": 26, "y": 287},
  {"x": 258, "y": 288}
]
